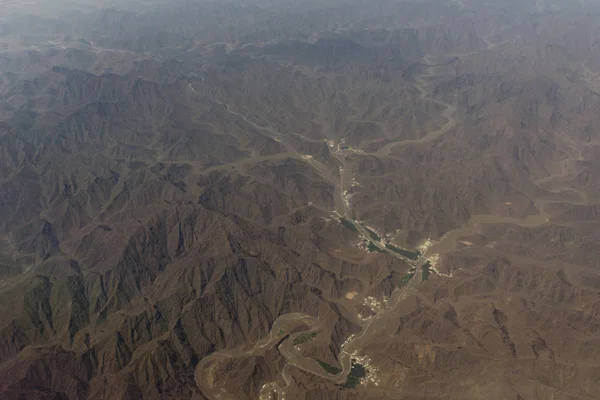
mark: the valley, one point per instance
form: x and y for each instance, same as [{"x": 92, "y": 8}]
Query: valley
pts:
[{"x": 299, "y": 200}]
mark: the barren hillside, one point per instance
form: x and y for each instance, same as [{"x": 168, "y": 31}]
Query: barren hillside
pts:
[{"x": 300, "y": 200}]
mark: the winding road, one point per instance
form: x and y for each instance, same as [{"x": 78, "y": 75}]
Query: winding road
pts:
[
  {"x": 449, "y": 114},
  {"x": 205, "y": 375},
  {"x": 205, "y": 371}
]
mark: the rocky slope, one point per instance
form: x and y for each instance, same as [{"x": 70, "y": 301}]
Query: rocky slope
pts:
[{"x": 225, "y": 200}]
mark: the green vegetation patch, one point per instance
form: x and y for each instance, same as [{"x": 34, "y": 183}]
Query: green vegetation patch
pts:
[
  {"x": 281, "y": 332},
  {"x": 357, "y": 372},
  {"x": 372, "y": 247},
  {"x": 348, "y": 225},
  {"x": 405, "y": 279},
  {"x": 411, "y": 255},
  {"x": 344, "y": 147},
  {"x": 330, "y": 369},
  {"x": 373, "y": 235},
  {"x": 426, "y": 270},
  {"x": 304, "y": 338}
]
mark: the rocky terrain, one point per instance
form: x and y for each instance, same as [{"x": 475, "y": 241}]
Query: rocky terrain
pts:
[{"x": 300, "y": 200}]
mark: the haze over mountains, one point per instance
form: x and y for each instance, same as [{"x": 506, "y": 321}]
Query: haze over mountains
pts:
[{"x": 300, "y": 200}]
